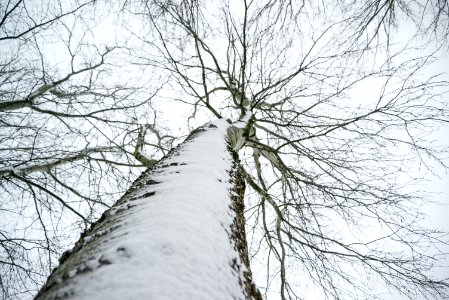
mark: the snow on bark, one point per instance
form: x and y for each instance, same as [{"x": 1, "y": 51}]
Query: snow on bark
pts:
[{"x": 178, "y": 233}]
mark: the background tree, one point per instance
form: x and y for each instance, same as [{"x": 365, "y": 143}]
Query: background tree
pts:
[
  {"x": 325, "y": 158},
  {"x": 68, "y": 133}
]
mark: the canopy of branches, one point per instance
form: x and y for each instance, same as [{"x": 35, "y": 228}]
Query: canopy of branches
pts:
[{"x": 338, "y": 109}]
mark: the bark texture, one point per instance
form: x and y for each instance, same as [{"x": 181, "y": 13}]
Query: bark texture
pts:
[
  {"x": 238, "y": 232},
  {"x": 99, "y": 247}
]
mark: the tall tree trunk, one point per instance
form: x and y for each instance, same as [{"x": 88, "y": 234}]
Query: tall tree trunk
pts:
[{"x": 178, "y": 233}]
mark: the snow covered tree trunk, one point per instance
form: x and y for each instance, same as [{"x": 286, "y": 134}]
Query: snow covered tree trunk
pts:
[{"x": 178, "y": 233}]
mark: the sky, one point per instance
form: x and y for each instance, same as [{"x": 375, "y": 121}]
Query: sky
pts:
[{"x": 437, "y": 213}]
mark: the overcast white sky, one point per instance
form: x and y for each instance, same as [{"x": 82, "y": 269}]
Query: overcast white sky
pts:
[{"x": 438, "y": 215}]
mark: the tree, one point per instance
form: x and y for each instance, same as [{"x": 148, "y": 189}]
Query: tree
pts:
[
  {"x": 188, "y": 241},
  {"x": 321, "y": 163},
  {"x": 68, "y": 134}
]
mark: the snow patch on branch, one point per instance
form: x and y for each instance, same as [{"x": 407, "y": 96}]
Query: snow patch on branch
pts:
[{"x": 244, "y": 120}]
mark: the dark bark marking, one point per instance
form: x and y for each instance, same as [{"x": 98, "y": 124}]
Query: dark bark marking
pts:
[
  {"x": 151, "y": 182},
  {"x": 173, "y": 164},
  {"x": 104, "y": 261},
  {"x": 147, "y": 194}
]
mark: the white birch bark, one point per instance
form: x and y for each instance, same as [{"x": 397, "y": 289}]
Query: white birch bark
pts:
[{"x": 178, "y": 233}]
